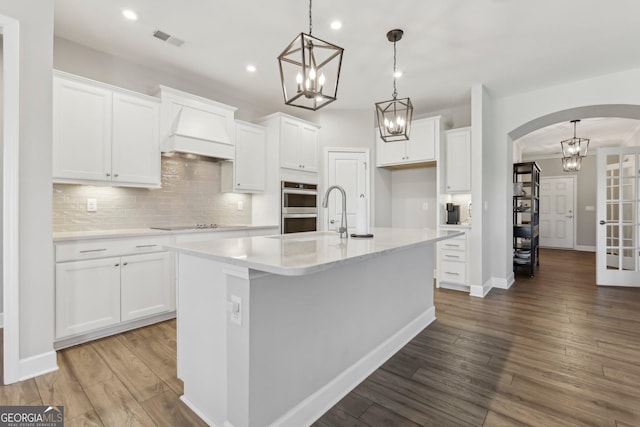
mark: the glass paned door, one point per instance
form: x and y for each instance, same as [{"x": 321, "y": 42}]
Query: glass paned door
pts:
[{"x": 618, "y": 235}]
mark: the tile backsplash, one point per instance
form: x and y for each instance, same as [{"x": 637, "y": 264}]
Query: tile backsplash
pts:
[{"x": 190, "y": 194}]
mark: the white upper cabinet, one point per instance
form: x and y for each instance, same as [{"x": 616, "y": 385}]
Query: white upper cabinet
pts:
[
  {"x": 81, "y": 131},
  {"x": 102, "y": 134},
  {"x": 421, "y": 147},
  {"x": 135, "y": 140},
  {"x": 298, "y": 145},
  {"x": 246, "y": 173},
  {"x": 457, "y": 159}
]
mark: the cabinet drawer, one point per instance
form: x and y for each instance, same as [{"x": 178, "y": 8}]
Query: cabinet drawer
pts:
[
  {"x": 454, "y": 272},
  {"x": 458, "y": 244},
  {"x": 101, "y": 248},
  {"x": 450, "y": 255}
]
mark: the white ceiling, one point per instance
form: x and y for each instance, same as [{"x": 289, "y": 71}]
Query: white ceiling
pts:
[
  {"x": 601, "y": 131},
  {"x": 509, "y": 45}
]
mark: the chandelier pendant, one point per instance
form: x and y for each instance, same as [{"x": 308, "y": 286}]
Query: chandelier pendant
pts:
[
  {"x": 310, "y": 71},
  {"x": 573, "y": 150},
  {"x": 394, "y": 116}
]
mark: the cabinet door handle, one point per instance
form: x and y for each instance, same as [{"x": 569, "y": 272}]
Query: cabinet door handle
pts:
[
  {"x": 107, "y": 174},
  {"x": 145, "y": 246},
  {"x": 117, "y": 265},
  {"x": 115, "y": 175},
  {"x": 238, "y": 185},
  {"x": 92, "y": 250},
  {"x": 125, "y": 263}
]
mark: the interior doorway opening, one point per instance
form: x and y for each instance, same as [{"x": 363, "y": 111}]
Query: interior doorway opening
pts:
[{"x": 585, "y": 212}]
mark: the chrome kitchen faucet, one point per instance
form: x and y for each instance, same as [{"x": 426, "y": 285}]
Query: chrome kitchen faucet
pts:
[{"x": 343, "y": 219}]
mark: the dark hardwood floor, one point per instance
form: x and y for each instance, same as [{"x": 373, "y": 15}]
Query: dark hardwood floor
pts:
[{"x": 554, "y": 350}]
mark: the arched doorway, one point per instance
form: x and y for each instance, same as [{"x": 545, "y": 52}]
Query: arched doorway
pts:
[{"x": 623, "y": 111}]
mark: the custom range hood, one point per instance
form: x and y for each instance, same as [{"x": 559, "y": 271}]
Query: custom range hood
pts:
[{"x": 195, "y": 125}]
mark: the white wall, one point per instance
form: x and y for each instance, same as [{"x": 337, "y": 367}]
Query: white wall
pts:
[
  {"x": 84, "y": 61},
  {"x": 36, "y": 249},
  {"x": 410, "y": 189},
  {"x": 519, "y": 114},
  {"x": 1, "y": 181}
]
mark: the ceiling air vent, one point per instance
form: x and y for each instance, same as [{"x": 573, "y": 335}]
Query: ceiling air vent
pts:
[{"x": 168, "y": 38}]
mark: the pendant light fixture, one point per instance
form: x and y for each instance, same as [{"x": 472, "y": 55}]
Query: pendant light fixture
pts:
[
  {"x": 571, "y": 164},
  {"x": 310, "y": 71},
  {"x": 394, "y": 116},
  {"x": 573, "y": 150}
]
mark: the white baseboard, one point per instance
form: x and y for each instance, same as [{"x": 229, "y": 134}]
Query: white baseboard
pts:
[
  {"x": 501, "y": 283},
  {"x": 1, "y": 320},
  {"x": 38, "y": 365},
  {"x": 313, "y": 407},
  {"x": 585, "y": 248},
  {"x": 199, "y": 413},
  {"x": 481, "y": 290}
]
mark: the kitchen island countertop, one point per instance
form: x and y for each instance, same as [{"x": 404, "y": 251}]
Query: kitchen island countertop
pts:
[{"x": 305, "y": 253}]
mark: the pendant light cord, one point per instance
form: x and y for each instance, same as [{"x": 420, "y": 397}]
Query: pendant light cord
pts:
[
  {"x": 395, "y": 93},
  {"x": 310, "y": 20}
]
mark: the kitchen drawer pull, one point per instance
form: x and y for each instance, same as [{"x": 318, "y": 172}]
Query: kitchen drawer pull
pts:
[
  {"x": 452, "y": 245},
  {"x": 145, "y": 246},
  {"x": 452, "y": 256},
  {"x": 92, "y": 250},
  {"x": 452, "y": 272}
]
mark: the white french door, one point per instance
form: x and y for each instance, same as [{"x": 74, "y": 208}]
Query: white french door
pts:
[
  {"x": 618, "y": 236},
  {"x": 557, "y": 212}
]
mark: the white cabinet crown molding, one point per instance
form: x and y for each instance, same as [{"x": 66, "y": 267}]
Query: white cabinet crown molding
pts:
[{"x": 96, "y": 83}]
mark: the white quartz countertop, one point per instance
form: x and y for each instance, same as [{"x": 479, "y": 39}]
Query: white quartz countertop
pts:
[
  {"x": 464, "y": 225},
  {"x": 143, "y": 232},
  {"x": 306, "y": 253}
]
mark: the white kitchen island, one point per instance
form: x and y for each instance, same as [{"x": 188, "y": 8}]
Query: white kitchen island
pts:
[{"x": 275, "y": 330}]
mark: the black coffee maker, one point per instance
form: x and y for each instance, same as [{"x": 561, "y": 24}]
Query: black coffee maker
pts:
[{"x": 453, "y": 213}]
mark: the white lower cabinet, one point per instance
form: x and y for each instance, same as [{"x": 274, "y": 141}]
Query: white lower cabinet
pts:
[
  {"x": 130, "y": 286},
  {"x": 87, "y": 295},
  {"x": 145, "y": 285},
  {"x": 452, "y": 263}
]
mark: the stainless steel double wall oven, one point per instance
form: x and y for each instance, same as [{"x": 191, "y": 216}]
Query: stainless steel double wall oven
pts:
[{"x": 299, "y": 207}]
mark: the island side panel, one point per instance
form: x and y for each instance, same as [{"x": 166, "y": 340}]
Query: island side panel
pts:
[
  {"x": 201, "y": 336},
  {"x": 315, "y": 337}
]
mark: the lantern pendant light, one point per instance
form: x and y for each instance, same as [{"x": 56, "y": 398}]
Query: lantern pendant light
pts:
[
  {"x": 394, "y": 116},
  {"x": 573, "y": 150},
  {"x": 571, "y": 164},
  {"x": 574, "y": 146},
  {"x": 310, "y": 71}
]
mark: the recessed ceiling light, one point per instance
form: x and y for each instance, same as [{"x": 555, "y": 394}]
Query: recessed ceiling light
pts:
[
  {"x": 397, "y": 74},
  {"x": 130, "y": 15},
  {"x": 336, "y": 25},
  {"x": 251, "y": 68}
]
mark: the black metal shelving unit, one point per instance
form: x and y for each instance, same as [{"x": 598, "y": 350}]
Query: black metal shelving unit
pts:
[{"x": 526, "y": 215}]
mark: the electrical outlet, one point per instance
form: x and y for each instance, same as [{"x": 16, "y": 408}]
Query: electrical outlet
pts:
[
  {"x": 234, "y": 307},
  {"x": 240, "y": 205},
  {"x": 92, "y": 205}
]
